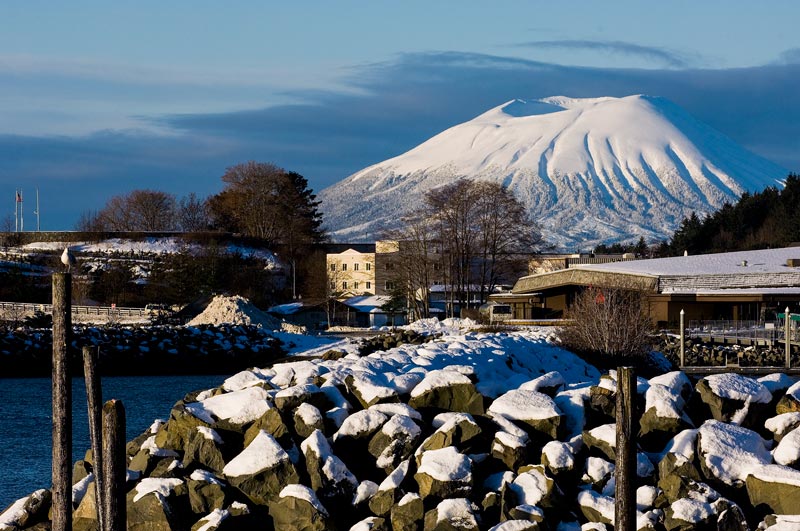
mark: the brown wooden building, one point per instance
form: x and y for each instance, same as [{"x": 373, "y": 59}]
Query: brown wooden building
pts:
[{"x": 746, "y": 285}]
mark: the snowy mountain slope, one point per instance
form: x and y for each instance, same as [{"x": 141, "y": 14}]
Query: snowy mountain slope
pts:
[{"x": 590, "y": 170}]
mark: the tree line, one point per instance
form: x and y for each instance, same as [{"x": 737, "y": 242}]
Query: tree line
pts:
[
  {"x": 258, "y": 199},
  {"x": 770, "y": 218}
]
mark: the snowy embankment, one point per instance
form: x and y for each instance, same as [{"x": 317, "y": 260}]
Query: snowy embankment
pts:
[{"x": 467, "y": 431}]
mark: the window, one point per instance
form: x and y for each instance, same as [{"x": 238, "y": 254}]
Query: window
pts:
[
  {"x": 389, "y": 266},
  {"x": 355, "y": 285},
  {"x": 369, "y": 284},
  {"x": 369, "y": 266},
  {"x": 333, "y": 286},
  {"x": 333, "y": 267},
  {"x": 355, "y": 267},
  {"x": 344, "y": 284},
  {"x": 344, "y": 267},
  {"x": 389, "y": 285}
]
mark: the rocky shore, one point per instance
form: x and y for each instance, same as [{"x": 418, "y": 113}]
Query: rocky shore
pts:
[
  {"x": 127, "y": 350},
  {"x": 470, "y": 431}
]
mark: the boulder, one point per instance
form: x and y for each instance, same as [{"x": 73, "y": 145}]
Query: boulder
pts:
[
  {"x": 727, "y": 453},
  {"x": 532, "y": 408},
  {"x": 776, "y": 486},
  {"x": 212, "y": 521},
  {"x": 261, "y": 470},
  {"x": 517, "y": 525},
  {"x": 679, "y": 465},
  {"x": 371, "y": 523},
  {"x": 787, "y": 452},
  {"x": 602, "y": 439},
  {"x": 457, "y": 514},
  {"x": 408, "y": 514},
  {"x": 734, "y": 398},
  {"x": 444, "y": 473},
  {"x": 370, "y": 389},
  {"x": 549, "y": 383},
  {"x": 181, "y": 424},
  {"x": 558, "y": 457},
  {"x": 233, "y": 410},
  {"x": 151, "y": 454},
  {"x": 204, "y": 448},
  {"x": 307, "y": 418},
  {"x": 531, "y": 488},
  {"x": 271, "y": 422},
  {"x": 510, "y": 449},
  {"x": 330, "y": 478},
  {"x": 296, "y": 508},
  {"x": 27, "y": 512},
  {"x": 155, "y": 505},
  {"x": 665, "y": 400},
  {"x": 454, "y": 429},
  {"x": 603, "y": 398},
  {"x": 596, "y": 507},
  {"x": 388, "y": 493},
  {"x": 206, "y": 492},
  {"x": 790, "y": 402},
  {"x": 782, "y": 424},
  {"x": 394, "y": 442},
  {"x": 447, "y": 390},
  {"x": 287, "y": 400}
]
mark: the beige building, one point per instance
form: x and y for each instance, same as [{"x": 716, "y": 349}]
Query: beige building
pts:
[{"x": 354, "y": 272}]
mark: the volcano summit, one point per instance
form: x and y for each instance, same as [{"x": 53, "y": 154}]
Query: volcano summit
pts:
[{"x": 590, "y": 171}]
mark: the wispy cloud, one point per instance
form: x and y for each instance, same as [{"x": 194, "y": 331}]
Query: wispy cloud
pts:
[
  {"x": 661, "y": 56},
  {"x": 389, "y": 107}
]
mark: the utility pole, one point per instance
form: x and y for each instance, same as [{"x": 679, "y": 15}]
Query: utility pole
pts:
[{"x": 36, "y": 212}]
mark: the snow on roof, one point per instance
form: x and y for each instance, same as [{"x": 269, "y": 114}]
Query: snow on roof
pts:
[
  {"x": 760, "y": 261},
  {"x": 367, "y": 303},
  {"x": 286, "y": 309}
]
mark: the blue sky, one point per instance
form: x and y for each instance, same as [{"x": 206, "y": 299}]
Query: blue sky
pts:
[{"x": 98, "y": 99}]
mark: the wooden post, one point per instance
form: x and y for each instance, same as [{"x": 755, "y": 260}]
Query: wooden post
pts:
[
  {"x": 786, "y": 337},
  {"x": 62, "y": 403},
  {"x": 94, "y": 401},
  {"x": 114, "y": 466},
  {"x": 683, "y": 341},
  {"x": 625, "y": 473}
]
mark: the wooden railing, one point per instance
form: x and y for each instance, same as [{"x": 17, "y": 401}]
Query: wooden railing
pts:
[{"x": 110, "y": 311}]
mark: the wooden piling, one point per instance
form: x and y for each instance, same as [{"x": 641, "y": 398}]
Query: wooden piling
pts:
[
  {"x": 62, "y": 403},
  {"x": 94, "y": 403},
  {"x": 114, "y": 466},
  {"x": 625, "y": 473}
]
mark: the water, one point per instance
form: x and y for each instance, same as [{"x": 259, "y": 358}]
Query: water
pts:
[{"x": 26, "y": 428}]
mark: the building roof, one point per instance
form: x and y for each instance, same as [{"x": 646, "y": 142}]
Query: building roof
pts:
[
  {"x": 761, "y": 261},
  {"x": 762, "y": 271}
]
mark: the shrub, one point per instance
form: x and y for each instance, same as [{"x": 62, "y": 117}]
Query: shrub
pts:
[{"x": 610, "y": 322}]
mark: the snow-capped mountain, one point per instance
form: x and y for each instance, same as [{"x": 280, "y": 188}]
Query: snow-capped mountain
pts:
[{"x": 590, "y": 170}]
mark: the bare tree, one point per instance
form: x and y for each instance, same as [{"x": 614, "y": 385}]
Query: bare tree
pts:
[
  {"x": 482, "y": 234},
  {"x": 193, "y": 214},
  {"x": 139, "y": 210}
]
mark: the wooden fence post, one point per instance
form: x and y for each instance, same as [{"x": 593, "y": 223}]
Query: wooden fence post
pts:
[
  {"x": 114, "y": 466},
  {"x": 94, "y": 401},
  {"x": 787, "y": 334},
  {"x": 625, "y": 473},
  {"x": 62, "y": 403},
  {"x": 683, "y": 340}
]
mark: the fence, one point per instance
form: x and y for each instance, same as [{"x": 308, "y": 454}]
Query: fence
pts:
[
  {"x": 106, "y": 311},
  {"x": 746, "y": 332}
]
